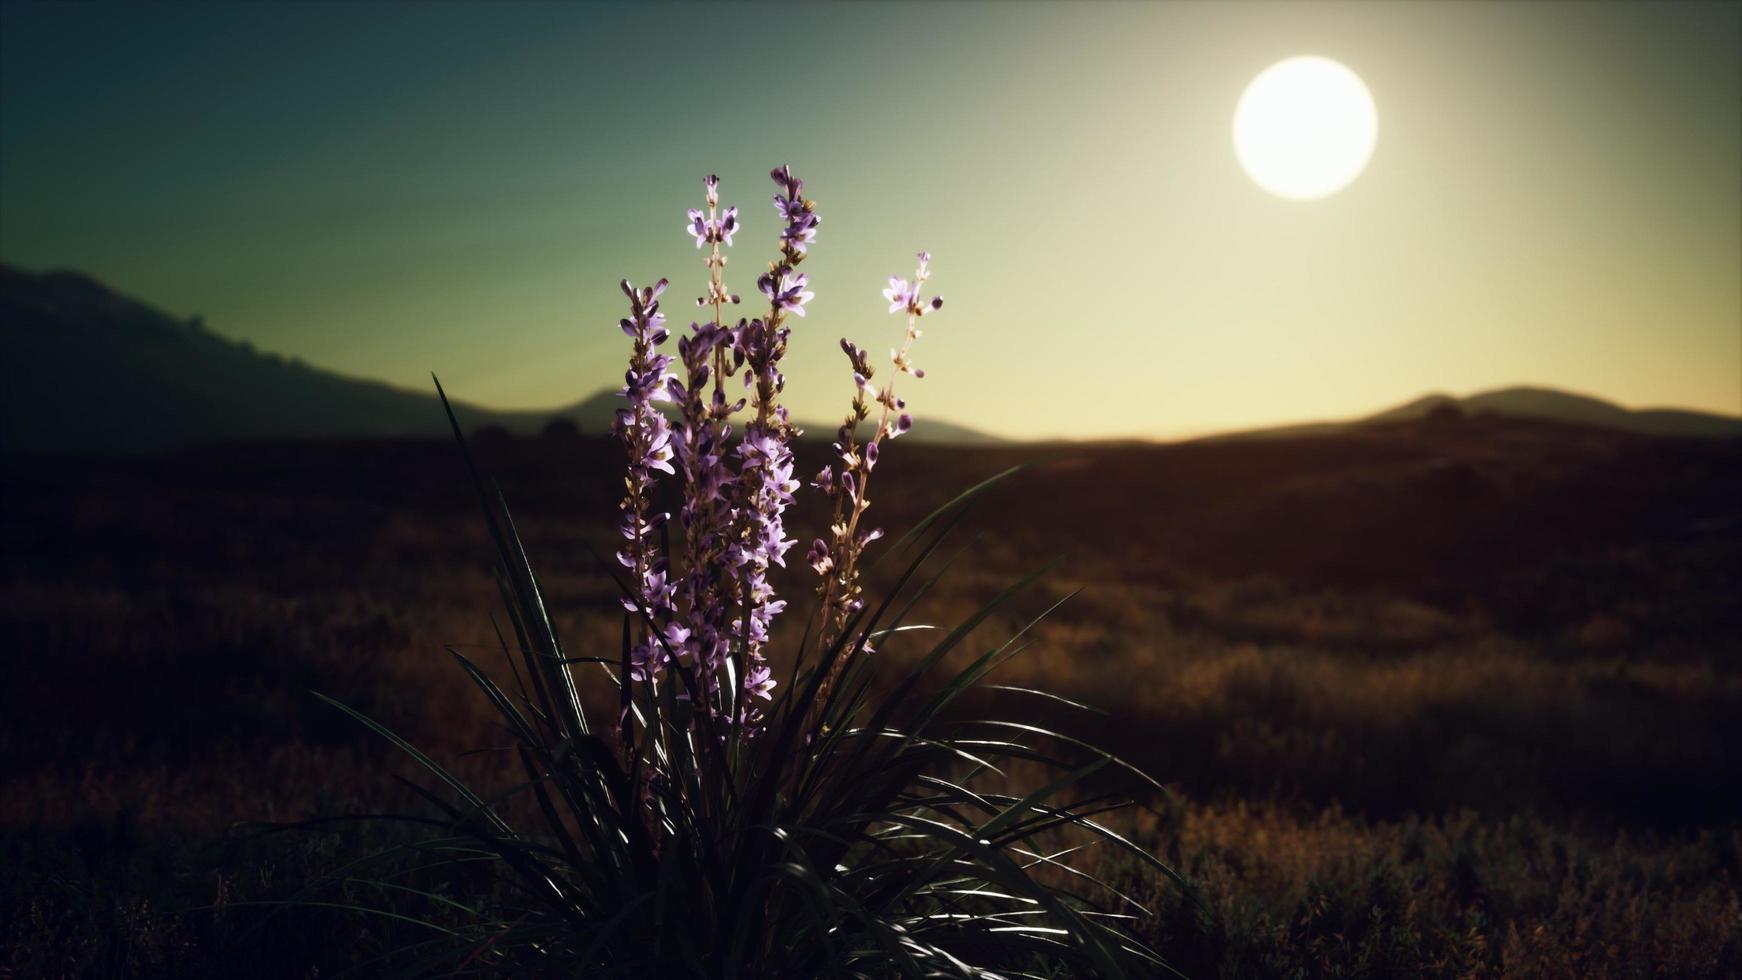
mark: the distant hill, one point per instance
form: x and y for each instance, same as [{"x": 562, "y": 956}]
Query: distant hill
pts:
[
  {"x": 86, "y": 370},
  {"x": 1545, "y": 404},
  {"x": 1564, "y": 406}
]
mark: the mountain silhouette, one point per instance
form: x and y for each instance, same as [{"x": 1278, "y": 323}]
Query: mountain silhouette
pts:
[
  {"x": 1564, "y": 406},
  {"x": 86, "y": 370},
  {"x": 1520, "y": 402}
]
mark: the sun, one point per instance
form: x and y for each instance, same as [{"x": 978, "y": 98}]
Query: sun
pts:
[{"x": 1305, "y": 128}]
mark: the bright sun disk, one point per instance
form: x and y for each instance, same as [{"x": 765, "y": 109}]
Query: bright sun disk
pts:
[{"x": 1305, "y": 128}]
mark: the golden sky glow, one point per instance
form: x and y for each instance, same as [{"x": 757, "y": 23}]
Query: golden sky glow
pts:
[{"x": 388, "y": 189}]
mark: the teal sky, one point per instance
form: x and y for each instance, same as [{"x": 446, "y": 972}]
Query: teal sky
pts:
[{"x": 389, "y": 189}]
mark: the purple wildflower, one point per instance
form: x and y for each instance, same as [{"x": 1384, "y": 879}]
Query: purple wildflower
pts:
[
  {"x": 905, "y": 297},
  {"x": 836, "y": 559},
  {"x": 647, "y": 441},
  {"x": 765, "y": 483},
  {"x": 711, "y": 230},
  {"x": 764, "y": 491},
  {"x": 800, "y": 232},
  {"x": 706, "y": 515},
  {"x": 786, "y": 292},
  {"x": 899, "y": 294},
  {"x": 799, "y": 214},
  {"x": 783, "y": 179}
]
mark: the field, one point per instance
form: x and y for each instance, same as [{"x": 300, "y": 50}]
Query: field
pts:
[{"x": 1457, "y": 697}]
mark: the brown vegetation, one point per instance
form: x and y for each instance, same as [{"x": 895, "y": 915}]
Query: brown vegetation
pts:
[{"x": 1436, "y": 700}]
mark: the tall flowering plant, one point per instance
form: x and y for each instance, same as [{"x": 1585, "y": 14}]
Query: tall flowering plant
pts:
[
  {"x": 848, "y": 820},
  {"x": 647, "y": 438},
  {"x": 702, "y": 444},
  {"x": 765, "y": 463},
  {"x": 835, "y": 558},
  {"x": 734, "y": 497}
]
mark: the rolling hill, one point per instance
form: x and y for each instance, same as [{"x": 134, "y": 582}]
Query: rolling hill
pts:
[
  {"x": 1523, "y": 402},
  {"x": 86, "y": 370},
  {"x": 1563, "y": 406}
]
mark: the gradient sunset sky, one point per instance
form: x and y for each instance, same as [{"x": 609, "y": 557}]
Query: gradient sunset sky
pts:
[{"x": 389, "y": 189}]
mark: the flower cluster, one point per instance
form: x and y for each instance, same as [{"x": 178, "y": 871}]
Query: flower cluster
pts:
[
  {"x": 784, "y": 286},
  {"x": 717, "y": 612},
  {"x": 647, "y": 441},
  {"x": 765, "y": 483},
  {"x": 706, "y": 515},
  {"x": 799, "y": 214},
  {"x": 711, "y": 228},
  {"x": 714, "y": 229},
  {"x": 836, "y": 558}
]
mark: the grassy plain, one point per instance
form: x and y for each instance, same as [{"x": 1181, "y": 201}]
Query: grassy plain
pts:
[{"x": 1448, "y": 698}]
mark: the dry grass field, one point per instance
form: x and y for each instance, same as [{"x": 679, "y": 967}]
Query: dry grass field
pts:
[{"x": 1450, "y": 698}]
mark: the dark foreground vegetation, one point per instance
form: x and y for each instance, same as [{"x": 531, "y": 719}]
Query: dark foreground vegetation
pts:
[{"x": 1445, "y": 698}]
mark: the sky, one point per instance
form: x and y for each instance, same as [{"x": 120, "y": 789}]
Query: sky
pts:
[{"x": 387, "y": 189}]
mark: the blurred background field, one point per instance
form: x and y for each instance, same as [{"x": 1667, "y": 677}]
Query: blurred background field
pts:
[{"x": 1451, "y": 696}]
